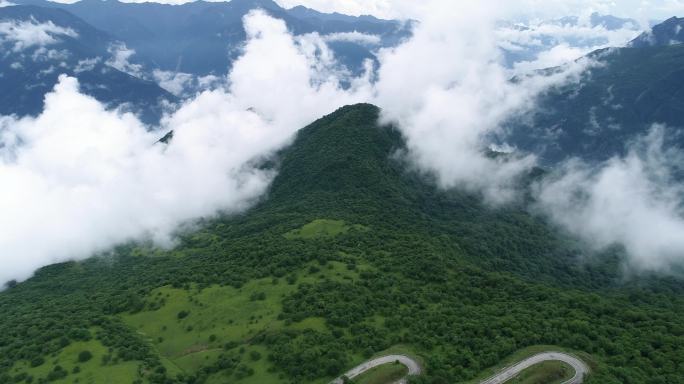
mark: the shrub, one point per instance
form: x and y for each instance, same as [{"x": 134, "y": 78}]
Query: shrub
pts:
[
  {"x": 183, "y": 315},
  {"x": 255, "y": 356},
  {"x": 37, "y": 361},
  {"x": 84, "y": 356}
]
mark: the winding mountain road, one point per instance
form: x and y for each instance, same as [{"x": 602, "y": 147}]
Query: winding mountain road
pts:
[
  {"x": 412, "y": 365},
  {"x": 581, "y": 369}
]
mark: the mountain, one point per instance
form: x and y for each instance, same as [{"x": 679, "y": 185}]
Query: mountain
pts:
[
  {"x": 616, "y": 101},
  {"x": 199, "y": 38},
  {"x": 609, "y": 22},
  {"x": 669, "y": 32},
  {"x": 350, "y": 254},
  {"x": 41, "y": 43},
  {"x": 390, "y": 31},
  {"x": 203, "y": 38}
]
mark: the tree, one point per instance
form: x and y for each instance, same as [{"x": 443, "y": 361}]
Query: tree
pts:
[
  {"x": 255, "y": 356},
  {"x": 37, "y": 361},
  {"x": 84, "y": 356},
  {"x": 183, "y": 314}
]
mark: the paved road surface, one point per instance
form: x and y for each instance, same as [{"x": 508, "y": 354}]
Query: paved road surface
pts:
[
  {"x": 412, "y": 365},
  {"x": 581, "y": 369}
]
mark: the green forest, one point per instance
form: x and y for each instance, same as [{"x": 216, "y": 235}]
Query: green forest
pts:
[{"x": 351, "y": 253}]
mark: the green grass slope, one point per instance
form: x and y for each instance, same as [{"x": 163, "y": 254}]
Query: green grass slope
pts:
[
  {"x": 348, "y": 255},
  {"x": 322, "y": 228},
  {"x": 550, "y": 372}
]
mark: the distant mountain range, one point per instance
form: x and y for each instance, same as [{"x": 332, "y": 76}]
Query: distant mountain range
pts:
[
  {"x": 639, "y": 85},
  {"x": 608, "y": 22},
  {"x": 203, "y": 38},
  {"x": 198, "y": 39}
]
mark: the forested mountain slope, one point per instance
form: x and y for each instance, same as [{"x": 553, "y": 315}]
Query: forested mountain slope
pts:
[
  {"x": 668, "y": 32},
  {"x": 620, "y": 97},
  {"x": 347, "y": 256}
]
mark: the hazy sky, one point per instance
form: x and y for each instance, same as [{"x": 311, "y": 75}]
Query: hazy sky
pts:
[{"x": 641, "y": 9}]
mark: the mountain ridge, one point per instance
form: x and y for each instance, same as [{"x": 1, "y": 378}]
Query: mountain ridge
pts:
[
  {"x": 614, "y": 103},
  {"x": 668, "y": 32},
  {"x": 33, "y": 71},
  {"x": 194, "y": 37}
]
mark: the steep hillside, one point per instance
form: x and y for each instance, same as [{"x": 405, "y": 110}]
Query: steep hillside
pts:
[
  {"x": 31, "y": 64},
  {"x": 348, "y": 255},
  {"x": 628, "y": 91},
  {"x": 73, "y": 47},
  {"x": 669, "y": 32}
]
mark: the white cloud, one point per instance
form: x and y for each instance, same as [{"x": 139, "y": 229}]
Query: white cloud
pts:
[
  {"x": 81, "y": 178},
  {"x": 544, "y": 44},
  {"x": 299, "y": 63},
  {"x": 556, "y": 56},
  {"x": 44, "y": 54},
  {"x": 25, "y": 34},
  {"x": 447, "y": 107},
  {"x": 208, "y": 82},
  {"x": 174, "y": 82},
  {"x": 633, "y": 201},
  {"x": 185, "y": 84},
  {"x": 86, "y": 65},
  {"x": 84, "y": 179},
  {"x": 4, "y": 3},
  {"x": 353, "y": 37},
  {"x": 120, "y": 60}
]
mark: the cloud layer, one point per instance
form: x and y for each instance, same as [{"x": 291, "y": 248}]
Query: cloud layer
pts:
[
  {"x": 634, "y": 201},
  {"x": 447, "y": 107},
  {"x": 546, "y": 44},
  {"x": 78, "y": 178},
  {"x": 30, "y": 33},
  {"x": 82, "y": 178}
]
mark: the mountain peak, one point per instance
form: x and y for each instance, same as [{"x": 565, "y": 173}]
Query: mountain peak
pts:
[
  {"x": 612, "y": 23},
  {"x": 345, "y": 155},
  {"x": 304, "y": 12},
  {"x": 669, "y": 32},
  {"x": 251, "y": 4}
]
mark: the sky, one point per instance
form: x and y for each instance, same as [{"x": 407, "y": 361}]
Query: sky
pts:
[
  {"x": 642, "y": 10},
  {"x": 114, "y": 184},
  {"x": 638, "y": 9}
]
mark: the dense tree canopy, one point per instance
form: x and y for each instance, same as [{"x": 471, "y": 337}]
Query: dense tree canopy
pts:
[{"x": 461, "y": 284}]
